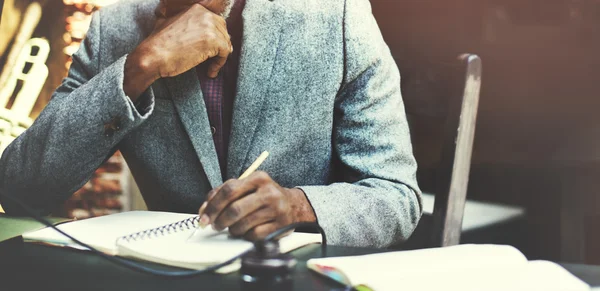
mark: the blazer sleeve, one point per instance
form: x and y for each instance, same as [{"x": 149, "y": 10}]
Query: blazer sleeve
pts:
[
  {"x": 378, "y": 204},
  {"x": 68, "y": 141}
]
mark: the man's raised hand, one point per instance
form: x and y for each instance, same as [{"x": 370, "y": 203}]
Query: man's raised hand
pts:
[{"x": 178, "y": 44}]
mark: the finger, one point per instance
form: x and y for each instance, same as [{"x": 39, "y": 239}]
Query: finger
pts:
[
  {"x": 225, "y": 49},
  {"x": 161, "y": 14},
  {"x": 215, "y": 66},
  {"x": 227, "y": 39},
  {"x": 218, "y": 61},
  {"x": 175, "y": 3},
  {"x": 209, "y": 196},
  {"x": 161, "y": 10},
  {"x": 160, "y": 23},
  {"x": 261, "y": 216},
  {"x": 204, "y": 219},
  {"x": 174, "y": 7},
  {"x": 260, "y": 231},
  {"x": 240, "y": 210},
  {"x": 221, "y": 26},
  {"x": 202, "y": 208},
  {"x": 229, "y": 192}
]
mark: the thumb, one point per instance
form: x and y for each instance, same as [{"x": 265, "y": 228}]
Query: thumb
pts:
[
  {"x": 161, "y": 10},
  {"x": 159, "y": 23},
  {"x": 218, "y": 62},
  {"x": 161, "y": 15}
]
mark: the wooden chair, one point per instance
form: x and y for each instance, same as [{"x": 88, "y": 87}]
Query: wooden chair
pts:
[{"x": 441, "y": 101}]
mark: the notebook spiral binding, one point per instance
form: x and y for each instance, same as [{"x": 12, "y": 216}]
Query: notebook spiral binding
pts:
[{"x": 183, "y": 225}]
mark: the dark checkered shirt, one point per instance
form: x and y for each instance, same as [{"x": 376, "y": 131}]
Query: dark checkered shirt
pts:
[{"x": 219, "y": 93}]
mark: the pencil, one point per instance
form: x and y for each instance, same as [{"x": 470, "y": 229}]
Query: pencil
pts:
[
  {"x": 263, "y": 156},
  {"x": 255, "y": 165}
]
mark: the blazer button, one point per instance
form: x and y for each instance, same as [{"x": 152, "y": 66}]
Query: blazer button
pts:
[
  {"x": 108, "y": 132},
  {"x": 213, "y": 130},
  {"x": 112, "y": 126}
]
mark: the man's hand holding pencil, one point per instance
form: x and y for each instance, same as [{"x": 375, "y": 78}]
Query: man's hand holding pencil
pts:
[{"x": 254, "y": 205}]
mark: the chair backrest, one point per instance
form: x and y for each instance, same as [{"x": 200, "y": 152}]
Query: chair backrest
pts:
[{"x": 441, "y": 100}]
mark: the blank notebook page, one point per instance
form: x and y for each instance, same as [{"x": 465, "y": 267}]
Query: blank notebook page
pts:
[
  {"x": 397, "y": 266},
  {"x": 532, "y": 276},
  {"x": 206, "y": 247},
  {"x": 103, "y": 232},
  {"x": 202, "y": 248},
  {"x": 463, "y": 267}
]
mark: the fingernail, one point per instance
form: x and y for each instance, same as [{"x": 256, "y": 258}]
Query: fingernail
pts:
[{"x": 204, "y": 220}]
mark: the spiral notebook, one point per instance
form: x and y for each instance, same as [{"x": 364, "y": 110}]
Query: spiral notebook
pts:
[{"x": 161, "y": 237}]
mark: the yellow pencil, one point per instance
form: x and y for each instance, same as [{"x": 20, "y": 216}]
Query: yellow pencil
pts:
[{"x": 255, "y": 165}]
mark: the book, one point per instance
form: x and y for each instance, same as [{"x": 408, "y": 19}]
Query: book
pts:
[
  {"x": 166, "y": 238},
  {"x": 462, "y": 267}
]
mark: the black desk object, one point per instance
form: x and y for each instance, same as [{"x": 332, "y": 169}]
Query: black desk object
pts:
[{"x": 35, "y": 267}]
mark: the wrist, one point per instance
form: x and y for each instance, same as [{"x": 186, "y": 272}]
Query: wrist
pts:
[
  {"x": 139, "y": 73},
  {"x": 302, "y": 210}
]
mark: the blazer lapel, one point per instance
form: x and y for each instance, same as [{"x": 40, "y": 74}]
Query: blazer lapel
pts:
[
  {"x": 189, "y": 103},
  {"x": 262, "y": 24}
]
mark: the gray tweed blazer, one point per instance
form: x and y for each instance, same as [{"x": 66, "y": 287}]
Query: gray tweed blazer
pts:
[{"x": 317, "y": 88}]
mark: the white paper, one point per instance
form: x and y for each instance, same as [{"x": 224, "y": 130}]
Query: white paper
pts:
[
  {"x": 204, "y": 248},
  {"x": 463, "y": 267},
  {"x": 187, "y": 247},
  {"x": 103, "y": 232}
]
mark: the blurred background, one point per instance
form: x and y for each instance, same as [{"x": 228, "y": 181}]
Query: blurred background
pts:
[
  {"x": 61, "y": 25},
  {"x": 537, "y": 143}
]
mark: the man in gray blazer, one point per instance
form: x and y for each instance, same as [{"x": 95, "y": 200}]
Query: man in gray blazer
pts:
[{"x": 191, "y": 100}]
